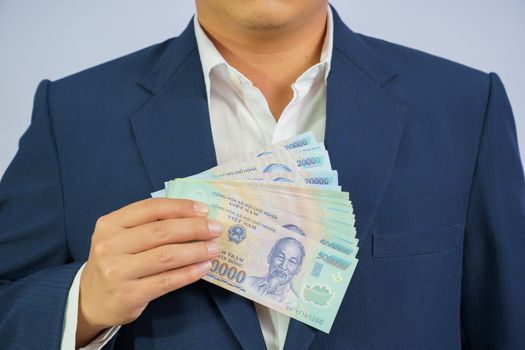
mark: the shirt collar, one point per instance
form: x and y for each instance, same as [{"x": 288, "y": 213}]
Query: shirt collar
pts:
[
  {"x": 326, "y": 51},
  {"x": 211, "y": 57}
]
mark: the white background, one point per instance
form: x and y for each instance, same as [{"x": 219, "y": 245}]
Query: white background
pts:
[{"x": 54, "y": 38}]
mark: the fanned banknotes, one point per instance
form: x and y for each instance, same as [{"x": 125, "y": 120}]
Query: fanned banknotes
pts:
[{"x": 290, "y": 242}]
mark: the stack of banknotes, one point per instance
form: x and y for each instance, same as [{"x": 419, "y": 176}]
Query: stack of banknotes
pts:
[{"x": 289, "y": 241}]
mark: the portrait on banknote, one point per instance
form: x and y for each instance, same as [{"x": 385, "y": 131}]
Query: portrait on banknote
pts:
[{"x": 284, "y": 263}]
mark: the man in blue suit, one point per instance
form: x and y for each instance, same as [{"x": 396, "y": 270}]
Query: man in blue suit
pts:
[{"x": 427, "y": 149}]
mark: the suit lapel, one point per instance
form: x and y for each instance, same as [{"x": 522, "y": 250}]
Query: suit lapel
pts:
[
  {"x": 363, "y": 131},
  {"x": 173, "y": 134},
  {"x": 173, "y": 129}
]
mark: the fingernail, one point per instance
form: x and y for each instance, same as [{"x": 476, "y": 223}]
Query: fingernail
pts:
[
  {"x": 203, "y": 267},
  {"x": 215, "y": 227},
  {"x": 213, "y": 248},
  {"x": 200, "y": 208}
]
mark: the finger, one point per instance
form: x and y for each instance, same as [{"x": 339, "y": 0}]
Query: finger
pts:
[
  {"x": 152, "y": 209},
  {"x": 155, "y": 286},
  {"x": 162, "y": 232},
  {"x": 168, "y": 257}
]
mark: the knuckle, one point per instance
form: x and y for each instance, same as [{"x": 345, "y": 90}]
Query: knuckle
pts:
[
  {"x": 101, "y": 248},
  {"x": 160, "y": 230},
  {"x": 110, "y": 273},
  {"x": 166, "y": 283},
  {"x": 153, "y": 205},
  {"x": 102, "y": 223},
  {"x": 166, "y": 257}
]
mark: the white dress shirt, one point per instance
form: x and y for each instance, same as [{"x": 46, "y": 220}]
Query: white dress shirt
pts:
[{"x": 241, "y": 122}]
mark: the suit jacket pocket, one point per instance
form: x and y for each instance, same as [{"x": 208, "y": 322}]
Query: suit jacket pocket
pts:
[{"x": 386, "y": 245}]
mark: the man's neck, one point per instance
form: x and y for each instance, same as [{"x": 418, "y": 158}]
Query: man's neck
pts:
[{"x": 273, "y": 59}]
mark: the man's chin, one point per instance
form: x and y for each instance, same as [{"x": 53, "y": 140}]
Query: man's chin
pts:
[{"x": 263, "y": 24}]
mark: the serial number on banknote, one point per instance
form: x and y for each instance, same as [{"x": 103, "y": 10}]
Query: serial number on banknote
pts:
[{"x": 308, "y": 316}]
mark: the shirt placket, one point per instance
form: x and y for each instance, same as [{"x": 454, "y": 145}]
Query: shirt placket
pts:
[{"x": 256, "y": 104}]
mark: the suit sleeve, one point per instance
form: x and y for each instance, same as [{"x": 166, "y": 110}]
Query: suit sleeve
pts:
[
  {"x": 36, "y": 270},
  {"x": 493, "y": 285}
]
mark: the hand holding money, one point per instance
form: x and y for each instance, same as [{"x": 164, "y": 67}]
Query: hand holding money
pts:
[
  {"x": 139, "y": 253},
  {"x": 290, "y": 243}
]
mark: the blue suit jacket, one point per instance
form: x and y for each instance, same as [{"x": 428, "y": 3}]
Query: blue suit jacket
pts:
[{"x": 426, "y": 147}]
